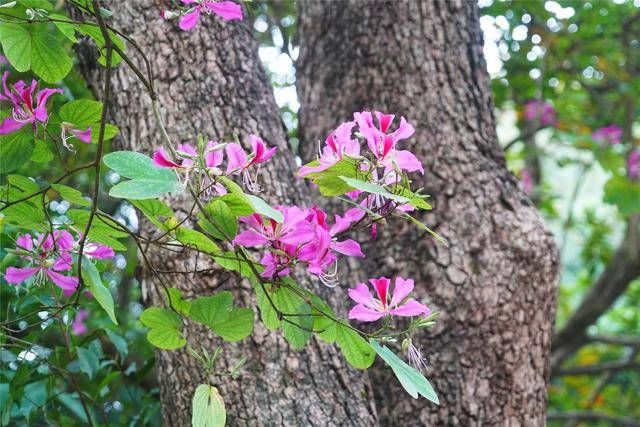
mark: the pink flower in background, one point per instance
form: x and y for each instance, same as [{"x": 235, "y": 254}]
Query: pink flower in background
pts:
[
  {"x": 527, "y": 182},
  {"x": 370, "y": 309},
  {"x": 633, "y": 165},
  {"x": 227, "y": 10},
  {"x": 338, "y": 144},
  {"x": 47, "y": 255},
  {"x": 539, "y": 111},
  {"x": 611, "y": 134},
  {"x": 239, "y": 162},
  {"x": 382, "y": 144},
  {"x": 25, "y": 107},
  {"x": 78, "y": 327}
]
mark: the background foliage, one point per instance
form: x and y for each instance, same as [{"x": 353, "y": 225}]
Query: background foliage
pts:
[{"x": 581, "y": 57}]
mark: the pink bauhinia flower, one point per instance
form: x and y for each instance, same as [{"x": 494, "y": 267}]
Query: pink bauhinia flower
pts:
[
  {"x": 536, "y": 110},
  {"x": 78, "y": 326},
  {"x": 322, "y": 251},
  {"x": 611, "y": 134},
  {"x": 47, "y": 255},
  {"x": 239, "y": 162},
  {"x": 25, "y": 107},
  {"x": 227, "y": 10},
  {"x": 383, "y": 144},
  {"x": 370, "y": 309},
  {"x": 338, "y": 144},
  {"x": 293, "y": 230}
]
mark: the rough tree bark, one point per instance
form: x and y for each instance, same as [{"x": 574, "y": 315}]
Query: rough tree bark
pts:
[
  {"x": 495, "y": 282},
  {"x": 210, "y": 82}
]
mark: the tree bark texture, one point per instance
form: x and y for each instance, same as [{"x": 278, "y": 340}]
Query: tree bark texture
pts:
[
  {"x": 494, "y": 284},
  {"x": 210, "y": 81}
]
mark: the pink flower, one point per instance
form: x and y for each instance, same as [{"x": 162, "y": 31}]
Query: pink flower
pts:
[
  {"x": 611, "y": 134},
  {"x": 238, "y": 162},
  {"x": 539, "y": 111},
  {"x": 227, "y": 10},
  {"x": 82, "y": 135},
  {"x": 382, "y": 144},
  {"x": 293, "y": 230},
  {"x": 78, "y": 327},
  {"x": 23, "y": 109},
  {"x": 98, "y": 251},
  {"x": 370, "y": 309},
  {"x": 338, "y": 144},
  {"x": 186, "y": 153},
  {"x": 633, "y": 165},
  {"x": 47, "y": 255}
]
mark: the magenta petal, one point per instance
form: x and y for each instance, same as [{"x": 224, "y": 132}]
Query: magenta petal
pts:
[
  {"x": 306, "y": 170},
  {"x": 25, "y": 241},
  {"x": 348, "y": 247},
  {"x": 404, "y": 131},
  {"x": 298, "y": 236},
  {"x": 401, "y": 290},
  {"x": 227, "y": 10},
  {"x": 249, "y": 238},
  {"x": 236, "y": 157},
  {"x": 407, "y": 161},
  {"x": 268, "y": 154},
  {"x": 10, "y": 125},
  {"x": 83, "y": 135},
  {"x": 365, "y": 314},
  {"x": 15, "y": 275},
  {"x": 160, "y": 159},
  {"x": 98, "y": 251},
  {"x": 411, "y": 308},
  {"x": 68, "y": 284},
  {"x": 189, "y": 20},
  {"x": 381, "y": 286},
  {"x": 361, "y": 294}
]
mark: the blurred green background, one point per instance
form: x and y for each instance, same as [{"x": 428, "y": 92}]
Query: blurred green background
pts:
[{"x": 560, "y": 71}]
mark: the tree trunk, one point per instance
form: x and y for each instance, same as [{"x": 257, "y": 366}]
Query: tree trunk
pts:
[
  {"x": 494, "y": 284},
  {"x": 210, "y": 82}
]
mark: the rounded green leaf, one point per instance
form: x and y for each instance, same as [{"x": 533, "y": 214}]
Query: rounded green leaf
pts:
[{"x": 208, "y": 408}]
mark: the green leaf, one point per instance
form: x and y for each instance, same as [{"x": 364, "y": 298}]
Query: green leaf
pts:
[
  {"x": 16, "y": 44},
  {"x": 25, "y": 215},
  {"x": 416, "y": 200},
  {"x": 233, "y": 262},
  {"x": 66, "y": 28},
  {"x": 88, "y": 361},
  {"x": 263, "y": 208},
  {"x": 623, "y": 193},
  {"x": 298, "y": 325},
  {"x": 411, "y": 379},
  {"x": 23, "y": 183},
  {"x": 355, "y": 349},
  {"x": 71, "y": 195},
  {"x": 218, "y": 220},
  {"x": 208, "y": 408},
  {"x": 217, "y": 312},
  {"x": 15, "y": 150},
  {"x": 49, "y": 59},
  {"x": 81, "y": 112},
  {"x": 329, "y": 181},
  {"x": 325, "y": 327},
  {"x": 41, "y": 152},
  {"x": 177, "y": 303},
  {"x": 165, "y": 328},
  {"x": 372, "y": 188},
  {"x": 239, "y": 205},
  {"x": 119, "y": 342},
  {"x": 195, "y": 239},
  {"x": 268, "y": 314},
  {"x": 103, "y": 296},
  {"x": 95, "y": 33},
  {"x": 155, "y": 210},
  {"x": 100, "y": 231},
  {"x": 147, "y": 180}
]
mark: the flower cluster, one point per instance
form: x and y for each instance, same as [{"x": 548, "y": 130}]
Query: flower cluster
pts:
[
  {"x": 27, "y": 105},
  {"x": 611, "y": 134},
  {"x": 539, "y": 111},
  {"x": 50, "y": 255},
  {"x": 303, "y": 237},
  {"x": 239, "y": 162},
  {"x": 190, "y": 16}
]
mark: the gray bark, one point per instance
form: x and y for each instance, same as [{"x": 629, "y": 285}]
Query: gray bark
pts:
[
  {"x": 495, "y": 282},
  {"x": 210, "y": 82}
]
